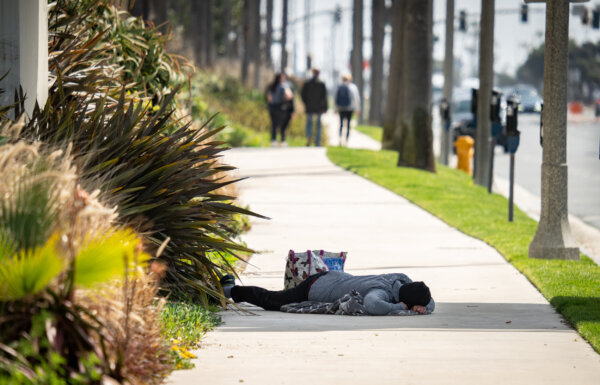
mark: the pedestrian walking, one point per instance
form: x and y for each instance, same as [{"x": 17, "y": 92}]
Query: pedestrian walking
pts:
[
  {"x": 347, "y": 102},
  {"x": 314, "y": 97},
  {"x": 279, "y": 97}
]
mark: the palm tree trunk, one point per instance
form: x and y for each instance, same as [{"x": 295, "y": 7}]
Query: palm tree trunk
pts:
[
  {"x": 284, "y": 24},
  {"x": 357, "y": 51},
  {"x": 394, "y": 102},
  {"x": 256, "y": 41},
  {"x": 196, "y": 32},
  {"x": 378, "y": 24},
  {"x": 209, "y": 35},
  {"x": 227, "y": 28},
  {"x": 269, "y": 35},
  {"x": 247, "y": 43},
  {"x": 415, "y": 147}
]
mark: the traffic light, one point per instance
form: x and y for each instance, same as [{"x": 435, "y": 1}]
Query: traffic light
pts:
[
  {"x": 462, "y": 21},
  {"x": 337, "y": 16},
  {"x": 524, "y": 16},
  {"x": 596, "y": 18},
  {"x": 585, "y": 16}
]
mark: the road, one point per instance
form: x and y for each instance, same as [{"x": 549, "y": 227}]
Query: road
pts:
[{"x": 582, "y": 159}]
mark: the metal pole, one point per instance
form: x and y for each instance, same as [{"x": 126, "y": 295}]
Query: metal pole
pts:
[
  {"x": 486, "y": 75},
  {"x": 491, "y": 178},
  {"x": 553, "y": 239},
  {"x": 446, "y": 145},
  {"x": 511, "y": 188}
]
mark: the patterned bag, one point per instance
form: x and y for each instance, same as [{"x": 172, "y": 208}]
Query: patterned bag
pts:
[{"x": 300, "y": 266}]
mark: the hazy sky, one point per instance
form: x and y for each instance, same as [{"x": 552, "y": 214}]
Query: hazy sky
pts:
[{"x": 512, "y": 39}]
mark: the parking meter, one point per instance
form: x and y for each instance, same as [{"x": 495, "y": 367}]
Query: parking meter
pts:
[
  {"x": 512, "y": 140},
  {"x": 496, "y": 120},
  {"x": 495, "y": 106},
  {"x": 474, "y": 101},
  {"x": 542, "y": 125},
  {"x": 445, "y": 110},
  {"x": 512, "y": 133}
]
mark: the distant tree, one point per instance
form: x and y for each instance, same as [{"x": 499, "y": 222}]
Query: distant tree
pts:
[
  {"x": 208, "y": 33},
  {"x": 256, "y": 53},
  {"x": 377, "y": 34},
  {"x": 140, "y": 8},
  {"x": 247, "y": 28},
  {"x": 532, "y": 71},
  {"x": 284, "y": 25},
  {"x": 415, "y": 142},
  {"x": 269, "y": 34},
  {"x": 357, "y": 50},
  {"x": 394, "y": 102}
]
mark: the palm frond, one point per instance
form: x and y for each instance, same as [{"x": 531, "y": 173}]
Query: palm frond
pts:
[
  {"x": 108, "y": 257},
  {"x": 29, "y": 271}
]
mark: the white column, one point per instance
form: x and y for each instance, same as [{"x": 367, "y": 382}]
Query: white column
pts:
[{"x": 24, "y": 50}]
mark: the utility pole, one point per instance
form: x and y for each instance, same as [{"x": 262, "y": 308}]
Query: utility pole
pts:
[
  {"x": 553, "y": 239},
  {"x": 448, "y": 80},
  {"x": 486, "y": 80},
  {"x": 307, "y": 35}
]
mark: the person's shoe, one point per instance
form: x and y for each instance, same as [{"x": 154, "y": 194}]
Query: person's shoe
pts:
[
  {"x": 283, "y": 144},
  {"x": 227, "y": 283},
  {"x": 273, "y": 143}
]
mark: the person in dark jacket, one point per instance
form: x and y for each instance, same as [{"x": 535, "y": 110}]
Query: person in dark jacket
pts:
[
  {"x": 280, "y": 101},
  {"x": 383, "y": 294},
  {"x": 314, "y": 96}
]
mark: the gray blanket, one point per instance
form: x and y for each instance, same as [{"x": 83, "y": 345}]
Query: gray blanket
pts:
[{"x": 349, "y": 304}]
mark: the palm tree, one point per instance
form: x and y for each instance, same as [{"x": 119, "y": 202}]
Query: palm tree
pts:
[
  {"x": 394, "y": 102},
  {"x": 284, "y": 23},
  {"x": 378, "y": 25},
  {"x": 415, "y": 143},
  {"x": 247, "y": 42},
  {"x": 269, "y": 34},
  {"x": 357, "y": 51},
  {"x": 256, "y": 54}
]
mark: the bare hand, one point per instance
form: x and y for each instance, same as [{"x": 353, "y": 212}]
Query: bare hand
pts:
[{"x": 419, "y": 309}]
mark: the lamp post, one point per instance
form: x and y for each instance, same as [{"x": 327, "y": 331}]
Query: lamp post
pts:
[{"x": 553, "y": 239}]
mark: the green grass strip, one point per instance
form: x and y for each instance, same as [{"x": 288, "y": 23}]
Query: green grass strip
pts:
[
  {"x": 372, "y": 131},
  {"x": 572, "y": 287}
]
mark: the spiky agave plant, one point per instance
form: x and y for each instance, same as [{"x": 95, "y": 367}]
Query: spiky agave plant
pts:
[{"x": 160, "y": 171}]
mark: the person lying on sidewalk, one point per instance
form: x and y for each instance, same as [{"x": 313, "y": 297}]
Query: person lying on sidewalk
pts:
[{"x": 385, "y": 294}]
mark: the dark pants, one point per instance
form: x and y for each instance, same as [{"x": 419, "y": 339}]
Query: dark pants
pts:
[
  {"x": 276, "y": 114},
  {"x": 273, "y": 300},
  {"x": 345, "y": 115}
]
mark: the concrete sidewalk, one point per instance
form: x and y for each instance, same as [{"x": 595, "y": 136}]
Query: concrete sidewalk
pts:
[{"x": 490, "y": 326}]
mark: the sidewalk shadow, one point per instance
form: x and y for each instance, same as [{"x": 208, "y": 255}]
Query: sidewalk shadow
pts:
[{"x": 460, "y": 316}]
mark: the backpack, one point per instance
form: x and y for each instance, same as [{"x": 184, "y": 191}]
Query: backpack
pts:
[{"x": 342, "y": 97}]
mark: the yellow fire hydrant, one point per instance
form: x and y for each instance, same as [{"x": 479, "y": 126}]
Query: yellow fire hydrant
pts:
[{"x": 464, "y": 151}]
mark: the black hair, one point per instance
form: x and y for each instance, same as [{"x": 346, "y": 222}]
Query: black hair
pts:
[
  {"x": 276, "y": 81},
  {"x": 414, "y": 293}
]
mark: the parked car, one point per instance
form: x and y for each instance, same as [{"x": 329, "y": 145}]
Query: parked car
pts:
[
  {"x": 530, "y": 100},
  {"x": 462, "y": 117}
]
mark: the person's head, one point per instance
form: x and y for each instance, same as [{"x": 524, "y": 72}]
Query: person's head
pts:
[
  {"x": 315, "y": 72},
  {"x": 346, "y": 77},
  {"x": 414, "y": 293},
  {"x": 276, "y": 80}
]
